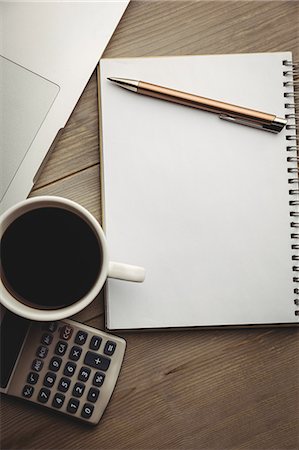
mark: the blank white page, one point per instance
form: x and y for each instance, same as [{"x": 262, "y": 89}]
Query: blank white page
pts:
[{"x": 201, "y": 203}]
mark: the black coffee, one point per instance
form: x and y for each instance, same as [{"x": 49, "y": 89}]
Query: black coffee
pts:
[{"x": 50, "y": 258}]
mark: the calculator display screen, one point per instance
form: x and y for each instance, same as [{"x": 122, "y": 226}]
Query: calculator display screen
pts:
[{"x": 13, "y": 330}]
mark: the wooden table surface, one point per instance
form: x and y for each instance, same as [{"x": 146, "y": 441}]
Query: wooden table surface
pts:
[{"x": 217, "y": 389}]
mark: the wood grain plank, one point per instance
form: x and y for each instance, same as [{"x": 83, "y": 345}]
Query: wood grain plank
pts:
[
  {"x": 82, "y": 187},
  {"x": 161, "y": 28},
  {"x": 196, "y": 389}
]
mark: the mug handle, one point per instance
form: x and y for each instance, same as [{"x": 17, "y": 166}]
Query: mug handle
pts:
[{"x": 126, "y": 272}]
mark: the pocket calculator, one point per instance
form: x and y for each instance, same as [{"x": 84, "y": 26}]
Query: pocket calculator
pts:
[{"x": 66, "y": 366}]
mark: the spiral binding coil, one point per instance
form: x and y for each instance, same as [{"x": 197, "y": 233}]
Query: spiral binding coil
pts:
[{"x": 292, "y": 72}]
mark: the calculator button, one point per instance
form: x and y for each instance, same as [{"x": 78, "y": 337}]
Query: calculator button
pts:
[
  {"x": 32, "y": 378},
  {"x": 78, "y": 389},
  {"x": 73, "y": 405},
  {"x": 47, "y": 339},
  {"x": 55, "y": 363},
  {"x": 61, "y": 348},
  {"x": 69, "y": 369},
  {"x": 75, "y": 353},
  {"x": 51, "y": 326},
  {"x": 84, "y": 374},
  {"x": 27, "y": 391},
  {"x": 37, "y": 365},
  {"x": 110, "y": 348},
  {"x": 58, "y": 400},
  {"x": 97, "y": 361},
  {"x": 66, "y": 332},
  {"x": 93, "y": 394},
  {"x": 98, "y": 379},
  {"x": 49, "y": 379},
  {"x": 44, "y": 395},
  {"x": 42, "y": 351},
  {"x": 95, "y": 343},
  {"x": 81, "y": 337},
  {"x": 64, "y": 384},
  {"x": 87, "y": 411}
]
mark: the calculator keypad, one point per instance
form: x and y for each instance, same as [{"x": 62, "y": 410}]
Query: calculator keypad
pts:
[{"x": 70, "y": 369}]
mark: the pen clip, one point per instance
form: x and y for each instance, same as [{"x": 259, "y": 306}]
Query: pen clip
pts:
[{"x": 274, "y": 127}]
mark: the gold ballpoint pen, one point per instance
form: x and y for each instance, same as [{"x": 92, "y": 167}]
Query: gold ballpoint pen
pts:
[{"x": 226, "y": 111}]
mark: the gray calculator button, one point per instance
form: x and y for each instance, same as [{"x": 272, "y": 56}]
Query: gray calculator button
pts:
[
  {"x": 97, "y": 361},
  {"x": 95, "y": 343},
  {"x": 55, "y": 364},
  {"x": 27, "y": 391},
  {"x": 75, "y": 353},
  {"x": 84, "y": 374},
  {"x": 42, "y": 351},
  {"x": 64, "y": 384},
  {"x": 93, "y": 394},
  {"x": 110, "y": 348},
  {"x": 44, "y": 395},
  {"x": 87, "y": 411},
  {"x": 37, "y": 365},
  {"x": 69, "y": 369},
  {"x": 58, "y": 400},
  {"x": 47, "y": 338},
  {"x": 78, "y": 389},
  {"x": 32, "y": 378},
  {"x": 61, "y": 348},
  {"x": 73, "y": 405},
  {"x": 81, "y": 337},
  {"x": 98, "y": 379},
  {"x": 49, "y": 379},
  {"x": 51, "y": 326}
]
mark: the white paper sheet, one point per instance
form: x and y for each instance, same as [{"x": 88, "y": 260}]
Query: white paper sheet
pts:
[{"x": 201, "y": 203}]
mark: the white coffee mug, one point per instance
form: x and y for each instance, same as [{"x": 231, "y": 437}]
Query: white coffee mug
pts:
[{"x": 108, "y": 269}]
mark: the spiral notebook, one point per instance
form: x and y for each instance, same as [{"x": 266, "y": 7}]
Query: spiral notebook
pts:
[{"x": 208, "y": 207}]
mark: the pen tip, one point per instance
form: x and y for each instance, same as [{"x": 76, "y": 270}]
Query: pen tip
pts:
[{"x": 131, "y": 85}]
